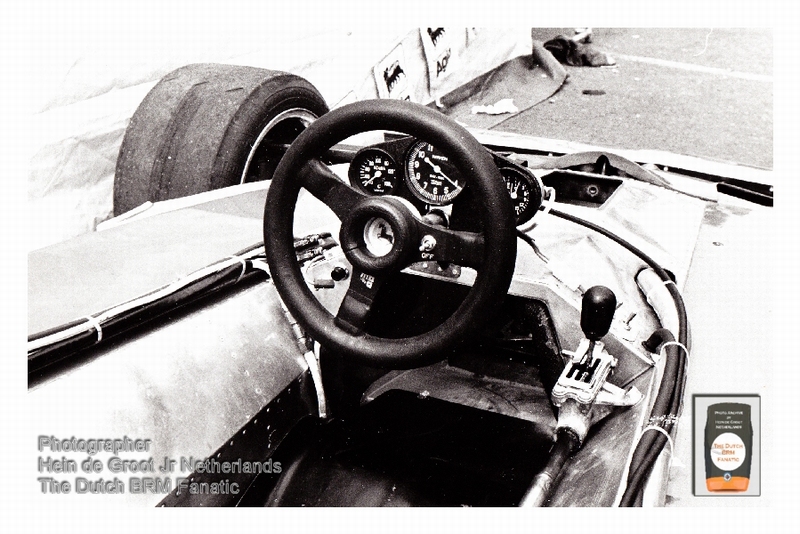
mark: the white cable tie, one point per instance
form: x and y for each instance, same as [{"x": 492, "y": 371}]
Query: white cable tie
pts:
[
  {"x": 260, "y": 265},
  {"x": 666, "y": 282},
  {"x": 244, "y": 266},
  {"x": 675, "y": 343},
  {"x": 669, "y": 439},
  {"x": 96, "y": 324}
]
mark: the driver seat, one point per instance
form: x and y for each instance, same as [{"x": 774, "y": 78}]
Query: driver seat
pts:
[{"x": 405, "y": 450}]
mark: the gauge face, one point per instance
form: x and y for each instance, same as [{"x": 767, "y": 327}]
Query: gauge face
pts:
[
  {"x": 374, "y": 172},
  {"x": 431, "y": 176},
  {"x": 520, "y": 189}
]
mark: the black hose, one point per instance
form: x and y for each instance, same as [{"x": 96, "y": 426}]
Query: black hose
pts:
[
  {"x": 667, "y": 402},
  {"x": 55, "y": 330},
  {"x": 544, "y": 483},
  {"x": 531, "y": 243},
  {"x": 54, "y": 352},
  {"x": 137, "y": 317},
  {"x": 670, "y": 394},
  {"x": 566, "y": 442}
]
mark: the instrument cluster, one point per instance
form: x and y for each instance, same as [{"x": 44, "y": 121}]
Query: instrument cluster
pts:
[{"x": 421, "y": 173}]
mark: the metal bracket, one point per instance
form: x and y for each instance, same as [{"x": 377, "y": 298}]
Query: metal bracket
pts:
[{"x": 585, "y": 379}]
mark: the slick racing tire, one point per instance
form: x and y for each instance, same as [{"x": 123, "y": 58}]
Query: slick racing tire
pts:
[{"x": 207, "y": 126}]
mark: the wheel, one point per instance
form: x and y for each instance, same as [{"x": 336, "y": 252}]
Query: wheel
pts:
[
  {"x": 207, "y": 126},
  {"x": 491, "y": 252}
]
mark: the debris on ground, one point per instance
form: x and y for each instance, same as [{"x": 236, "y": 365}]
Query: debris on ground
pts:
[
  {"x": 577, "y": 54},
  {"x": 506, "y": 105}
]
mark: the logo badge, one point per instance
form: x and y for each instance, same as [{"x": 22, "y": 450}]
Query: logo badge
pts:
[{"x": 367, "y": 280}]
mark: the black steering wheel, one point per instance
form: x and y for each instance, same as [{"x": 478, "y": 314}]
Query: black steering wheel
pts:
[{"x": 365, "y": 219}]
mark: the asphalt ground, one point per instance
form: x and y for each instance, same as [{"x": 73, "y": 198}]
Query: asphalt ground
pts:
[{"x": 697, "y": 91}]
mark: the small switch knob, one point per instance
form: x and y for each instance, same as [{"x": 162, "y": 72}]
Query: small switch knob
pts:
[{"x": 339, "y": 273}]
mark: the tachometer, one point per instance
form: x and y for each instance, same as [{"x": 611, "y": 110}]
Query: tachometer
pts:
[
  {"x": 525, "y": 197},
  {"x": 374, "y": 171},
  {"x": 431, "y": 176}
]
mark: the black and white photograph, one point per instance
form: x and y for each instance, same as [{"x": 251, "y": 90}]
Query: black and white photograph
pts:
[{"x": 289, "y": 263}]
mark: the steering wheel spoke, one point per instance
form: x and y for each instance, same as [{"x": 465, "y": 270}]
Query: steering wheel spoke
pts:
[
  {"x": 357, "y": 303},
  {"x": 442, "y": 244},
  {"x": 321, "y": 182}
]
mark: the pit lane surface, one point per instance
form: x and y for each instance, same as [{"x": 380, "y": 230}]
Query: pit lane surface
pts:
[{"x": 695, "y": 91}]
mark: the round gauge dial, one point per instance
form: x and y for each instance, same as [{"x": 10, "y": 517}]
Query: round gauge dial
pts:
[
  {"x": 374, "y": 171},
  {"x": 431, "y": 176},
  {"x": 521, "y": 190}
]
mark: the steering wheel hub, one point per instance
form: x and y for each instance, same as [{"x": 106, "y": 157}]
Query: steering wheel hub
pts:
[
  {"x": 378, "y": 234},
  {"x": 378, "y": 237}
]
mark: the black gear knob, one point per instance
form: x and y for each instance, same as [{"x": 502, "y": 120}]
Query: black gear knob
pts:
[{"x": 597, "y": 311}]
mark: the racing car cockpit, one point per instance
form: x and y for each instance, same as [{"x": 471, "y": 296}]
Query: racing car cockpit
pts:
[
  {"x": 440, "y": 373},
  {"x": 479, "y": 324}
]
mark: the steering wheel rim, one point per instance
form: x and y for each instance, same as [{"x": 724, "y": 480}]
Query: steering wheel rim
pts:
[{"x": 493, "y": 250}]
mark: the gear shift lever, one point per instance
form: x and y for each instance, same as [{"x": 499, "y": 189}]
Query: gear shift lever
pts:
[
  {"x": 597, "y": 311},
  {"x": 583, "y": 385},
  {"x": 583, "y": 393}
]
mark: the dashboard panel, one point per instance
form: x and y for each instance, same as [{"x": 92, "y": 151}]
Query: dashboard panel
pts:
[{"x": 419, "y": 172}]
